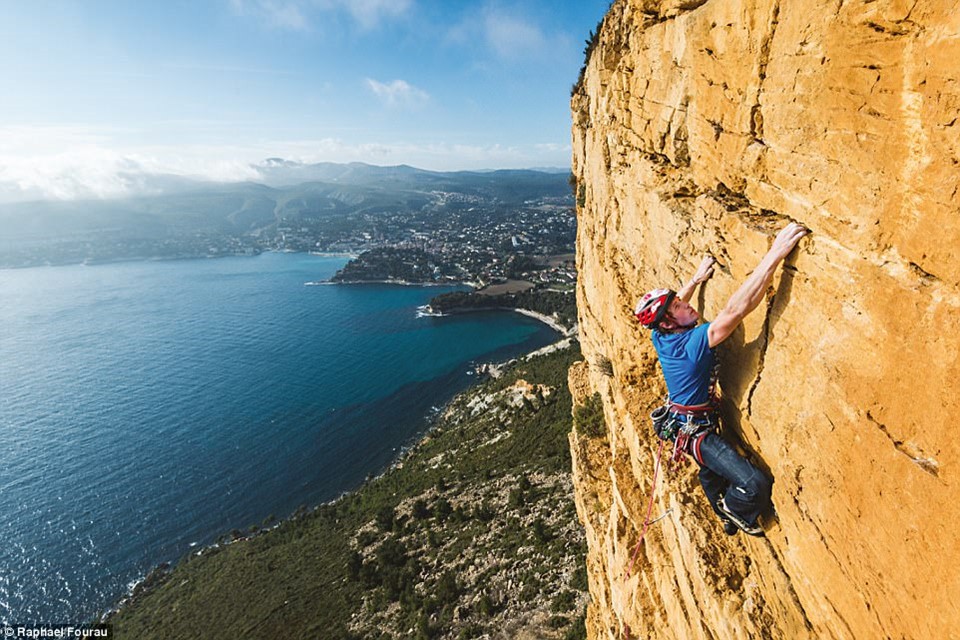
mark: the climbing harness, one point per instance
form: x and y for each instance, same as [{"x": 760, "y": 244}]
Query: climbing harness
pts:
[
  {"x": 687, "y": 425},
  {"x": 694, "y": 427}
]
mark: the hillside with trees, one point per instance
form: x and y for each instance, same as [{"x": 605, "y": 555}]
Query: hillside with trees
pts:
[{"x": 473, "y": 532}]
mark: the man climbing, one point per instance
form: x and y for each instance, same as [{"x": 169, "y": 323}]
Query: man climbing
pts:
[{"x": 737, "y": 490}]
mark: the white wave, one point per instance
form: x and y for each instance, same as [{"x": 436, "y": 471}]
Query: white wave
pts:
[{"x": 424, "y": 311}]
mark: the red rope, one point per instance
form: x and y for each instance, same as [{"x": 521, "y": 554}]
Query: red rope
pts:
[{"x": 646, "y": 520}]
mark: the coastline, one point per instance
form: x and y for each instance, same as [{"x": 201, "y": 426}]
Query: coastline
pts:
[
  {"x": 405, "y": 283},
  {"x": 465, "y": 442},
  {"x": 174, "y": 258},
  {"x": 553, "y": 323},
  {"x": 548, "y": 320},
  {"x": 157, "y": 574},
  {"x": 329, "y": 254}
]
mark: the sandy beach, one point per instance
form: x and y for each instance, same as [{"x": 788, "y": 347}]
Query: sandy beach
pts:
[{"x": 548, "y": 320}]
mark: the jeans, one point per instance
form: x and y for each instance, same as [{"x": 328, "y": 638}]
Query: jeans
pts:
[{"x": 726, "y": 474}]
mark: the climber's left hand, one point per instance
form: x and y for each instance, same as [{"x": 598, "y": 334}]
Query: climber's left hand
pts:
[{"x": 705, "y": 270}]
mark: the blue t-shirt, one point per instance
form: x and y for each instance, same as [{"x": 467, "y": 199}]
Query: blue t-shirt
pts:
[{"x": 686, "y": 360}]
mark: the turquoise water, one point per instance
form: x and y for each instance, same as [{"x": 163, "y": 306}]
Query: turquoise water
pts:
[{"x": 149, "y": 407}]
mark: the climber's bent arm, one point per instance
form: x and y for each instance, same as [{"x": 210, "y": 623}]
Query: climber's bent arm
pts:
[{"x": 751, "y": 292}]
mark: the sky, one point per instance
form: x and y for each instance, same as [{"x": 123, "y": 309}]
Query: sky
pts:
[{"x": 97, "y": 92}]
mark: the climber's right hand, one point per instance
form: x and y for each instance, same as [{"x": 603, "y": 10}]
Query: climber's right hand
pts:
[{"x": 787, "y": 239}]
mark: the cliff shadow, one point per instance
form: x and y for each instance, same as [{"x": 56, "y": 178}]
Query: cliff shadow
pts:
[{"x": 741, "y": 369}]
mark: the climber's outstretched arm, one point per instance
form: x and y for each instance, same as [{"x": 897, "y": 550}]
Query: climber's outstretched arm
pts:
[
  {"x": 751, "y": 292},
  {"x": 704, "y": 271}
]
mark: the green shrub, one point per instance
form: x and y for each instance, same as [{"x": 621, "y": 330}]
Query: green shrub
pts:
[
  {"x": 366, "y": 538},
  {"x": 578, "y": 582},
  {"x": 541, "y": 533},
  {"x": 486, "y": 607},
  {"x": 442, "y": 509},
  {"x": 472, "y": 630},
  {"x": 392, "y": 553},
  {"x": 369, "y": 576},
  {"x": 578, "y": 630},
  {"x": 420, "y": 509},
  {"x": 385, "y": 518},
  {"x": 484, "y": 512},
  {"x": 588, "y": 417},
  {"x": 563, "y": 602},
  {"x": 447, "y": 589},
  {"x": 517, "y": 498},
  {"x": 529, "y": 592},
  {"x": 556, "y": 622},
  {"x": 524, "y": 483},
  {"x": 354, "y": 564}
]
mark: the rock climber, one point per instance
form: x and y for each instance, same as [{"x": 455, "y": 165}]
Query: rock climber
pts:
[{"x": 737, "y": 490}]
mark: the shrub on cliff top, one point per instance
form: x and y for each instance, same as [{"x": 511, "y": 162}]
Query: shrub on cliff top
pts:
[{"x": 591, "y": 44}]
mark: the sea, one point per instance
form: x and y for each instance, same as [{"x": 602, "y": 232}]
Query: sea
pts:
[{"x": 148, "y": 408}]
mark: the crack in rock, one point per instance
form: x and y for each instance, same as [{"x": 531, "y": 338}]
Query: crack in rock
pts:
[
  {"x": 756, "y": 112},
  {"x": 909, "y": 449},
  {"x": 794, "y": 597},
  {"x": 763, "y": 353}
]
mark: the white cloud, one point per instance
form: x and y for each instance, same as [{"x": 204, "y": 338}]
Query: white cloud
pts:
[
  {"x": 506, "y": 34},
  {"x": 75, "y": 162},
  {"x": 369, "y": 13},
  {"x": 86, "y": 173},
  {"x": 294, "y": 15},
  {"x": 552, "y": 147},
  {"x": 398, "y": 93},
  {"x": 510, "y": 36},
  {"x": 278, "y": 15}
]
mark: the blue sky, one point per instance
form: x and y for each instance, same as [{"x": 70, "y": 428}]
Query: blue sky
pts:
[{"x": 98, "y": 91}]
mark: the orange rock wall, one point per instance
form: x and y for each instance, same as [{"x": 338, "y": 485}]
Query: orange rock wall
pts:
[{"x": 703, "y": 127}]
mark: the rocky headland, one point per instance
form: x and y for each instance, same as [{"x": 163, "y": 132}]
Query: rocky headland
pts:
[{"x": 471, "y": 534}]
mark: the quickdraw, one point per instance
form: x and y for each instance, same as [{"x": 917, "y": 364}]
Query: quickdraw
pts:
[{"x": 691, "y": 435}]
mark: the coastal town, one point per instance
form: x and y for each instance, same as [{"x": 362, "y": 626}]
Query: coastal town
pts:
[
  {"x": 455, "y": 239},
  {"x": 520, "y": 259},
  {"x": 408, "y": 225}
]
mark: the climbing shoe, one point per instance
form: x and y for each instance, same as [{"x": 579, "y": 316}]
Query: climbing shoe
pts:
[
  {"x": 729, "y": 528},
  {"x": 743, "y": 525}
]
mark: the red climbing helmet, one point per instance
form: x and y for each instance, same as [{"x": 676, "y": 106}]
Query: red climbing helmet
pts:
[{"x": 653, "y": 307}]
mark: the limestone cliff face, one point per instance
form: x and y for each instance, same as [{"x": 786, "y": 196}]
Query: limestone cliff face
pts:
[{"x": 703, "y": 127}]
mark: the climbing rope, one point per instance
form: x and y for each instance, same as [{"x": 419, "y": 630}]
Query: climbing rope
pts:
[{"x": 646, "y": 520}]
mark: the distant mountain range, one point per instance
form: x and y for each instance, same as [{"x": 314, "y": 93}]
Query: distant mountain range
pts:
[
  {"x": 280, "y": 172},
  {"x": 288, "y": 189}
]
